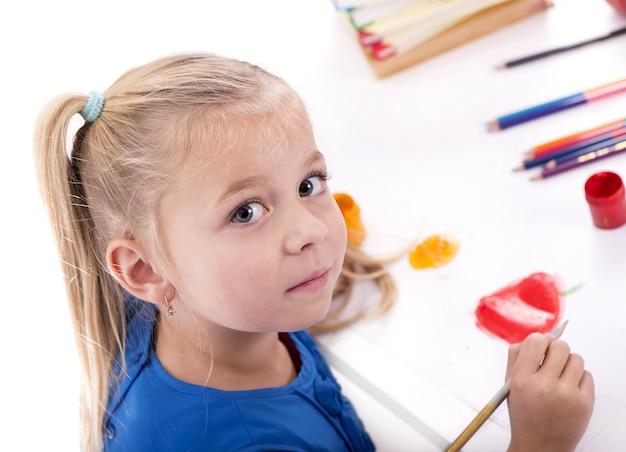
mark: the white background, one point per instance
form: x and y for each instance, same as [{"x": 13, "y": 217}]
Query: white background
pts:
[{"x": 411, "y": 149}]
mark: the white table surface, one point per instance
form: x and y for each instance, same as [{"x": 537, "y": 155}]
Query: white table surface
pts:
[
  {"x": 414, "y": 152},
  {"x": 425, "y": 164}
]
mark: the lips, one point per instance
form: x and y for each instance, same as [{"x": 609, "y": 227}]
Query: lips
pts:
[{"x": 311, "y": 283}]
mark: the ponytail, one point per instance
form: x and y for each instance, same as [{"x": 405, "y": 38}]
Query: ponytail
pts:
[
  {"x": 95, "y": 299},
  {"x": 359, "y": 266}
]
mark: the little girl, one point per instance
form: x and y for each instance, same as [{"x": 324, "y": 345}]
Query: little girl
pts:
[{"x": 199, "y": 240}]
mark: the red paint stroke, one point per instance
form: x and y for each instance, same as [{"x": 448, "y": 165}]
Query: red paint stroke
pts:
[{"x": 532, "y": 304}]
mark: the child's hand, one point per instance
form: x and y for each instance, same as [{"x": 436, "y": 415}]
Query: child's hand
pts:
[{"x": 551, "y": 402}]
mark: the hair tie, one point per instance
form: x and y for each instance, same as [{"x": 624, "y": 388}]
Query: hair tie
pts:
[{"x": 93, "y": 107}]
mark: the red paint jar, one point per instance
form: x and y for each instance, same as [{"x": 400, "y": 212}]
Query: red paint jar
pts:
[{"x": 605, "y": 194}]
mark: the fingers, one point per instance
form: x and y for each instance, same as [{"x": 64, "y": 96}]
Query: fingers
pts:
[
  {"x": 513, "y": 354},
  {"x": 546, "y": 356},
  {"x": 573, "y": 369},
  {"x": 558, "y": 359},
  {"x": 552, "y": 395},
  {"x": 526, "y": 357},
  {"x": 574, "y": 373},
  {"x": 587, "y": 385}
]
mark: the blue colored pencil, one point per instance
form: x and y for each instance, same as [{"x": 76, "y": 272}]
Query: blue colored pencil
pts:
[{"x": 555, "y": 106}]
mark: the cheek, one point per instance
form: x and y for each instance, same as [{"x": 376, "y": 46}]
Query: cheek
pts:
[
  {"x": 222, "y": 290},
  {"x": 241, "y": 270},
  {"x": 337, "y": 228}
]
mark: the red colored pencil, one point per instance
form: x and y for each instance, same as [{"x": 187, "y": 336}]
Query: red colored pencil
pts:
[{"x": 575, "y": 139}]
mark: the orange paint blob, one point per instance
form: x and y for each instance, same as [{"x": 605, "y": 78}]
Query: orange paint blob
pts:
[
  {"x": 435, "y": 251},
  {"x": 352, "y": 216}
]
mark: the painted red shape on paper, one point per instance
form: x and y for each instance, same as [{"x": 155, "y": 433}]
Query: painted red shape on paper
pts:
[{"x": 532, "y": 304}]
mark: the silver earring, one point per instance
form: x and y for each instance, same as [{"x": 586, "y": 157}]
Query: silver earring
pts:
[{"x": 169, "y": 309}]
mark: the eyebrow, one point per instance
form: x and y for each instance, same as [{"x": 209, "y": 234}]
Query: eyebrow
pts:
[
  {"x": 239, "y": 185},
  {"x": 251, "y": 181},
  {"x": 315, "y": 158}
]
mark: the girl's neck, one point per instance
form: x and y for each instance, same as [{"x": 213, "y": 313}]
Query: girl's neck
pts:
[{"x": 224, "y": 359}]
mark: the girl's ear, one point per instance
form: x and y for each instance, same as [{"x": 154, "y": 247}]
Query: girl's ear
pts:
[{"x": 128, "y": 261}]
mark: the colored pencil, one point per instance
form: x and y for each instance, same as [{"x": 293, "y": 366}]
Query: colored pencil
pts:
[
  {"x": 575, "y": 138},
  {"x": 555, "y": 106},
  {"x": 574, "y": 151},
  {"x": 582, "y": 160},
  {"x": 491, "y": 407},
  {"x": 617, "y": 141},
  {"x": 555, "y": 51}
]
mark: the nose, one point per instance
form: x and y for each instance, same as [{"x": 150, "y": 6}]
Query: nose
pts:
[{"x": 305, "y": 227}]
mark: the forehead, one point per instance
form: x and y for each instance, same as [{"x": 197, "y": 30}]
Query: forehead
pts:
[
  {"x": 253, "y": 159},
  {"x": 256, "y": 142}
]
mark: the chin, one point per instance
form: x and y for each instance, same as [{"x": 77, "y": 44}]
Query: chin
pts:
[{"x": 311, "y": 318}]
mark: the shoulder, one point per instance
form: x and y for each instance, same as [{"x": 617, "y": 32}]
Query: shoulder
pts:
[
  {"x": 140, "y": 321},
  {"x": 157, "y": 412},
  {"x": 140, "y": 318},
  {"x": 310, "y": 353},
  {"x": 306, "y": 345}
]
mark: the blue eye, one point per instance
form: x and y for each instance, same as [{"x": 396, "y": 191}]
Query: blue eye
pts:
[
  {"x": 311, "y": 186},
  {"x": 247, "y": 213}
]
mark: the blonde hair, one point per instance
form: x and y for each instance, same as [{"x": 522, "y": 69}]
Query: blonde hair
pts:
[{"x": 119, "y": 166}]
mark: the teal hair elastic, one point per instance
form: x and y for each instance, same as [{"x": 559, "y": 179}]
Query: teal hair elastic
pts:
[{"x": 93, "y": 107}]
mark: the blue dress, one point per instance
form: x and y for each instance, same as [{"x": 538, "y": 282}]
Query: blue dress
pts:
[{"x": 150, "y": 410}]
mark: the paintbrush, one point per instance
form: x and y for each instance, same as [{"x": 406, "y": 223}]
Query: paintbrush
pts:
[{"x": 491, "y": 407}]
